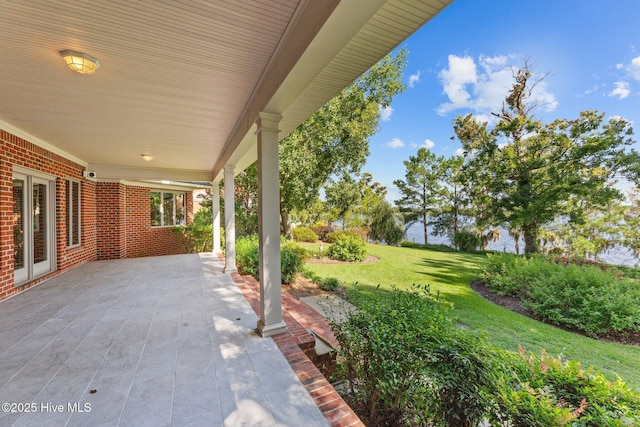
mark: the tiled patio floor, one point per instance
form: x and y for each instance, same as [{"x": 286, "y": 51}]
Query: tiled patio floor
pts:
[{"x": 144, "y": 342}]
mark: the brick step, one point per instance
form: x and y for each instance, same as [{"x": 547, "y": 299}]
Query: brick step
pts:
[{"x": 298, "y": 347}]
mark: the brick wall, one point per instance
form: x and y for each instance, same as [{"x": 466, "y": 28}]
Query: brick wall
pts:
[
  {"x": 110, "y": 213},
  {"x": 115, "y": 217},
  {"x": 19, "y": 152},
  {"x": 142, "y": 239}
]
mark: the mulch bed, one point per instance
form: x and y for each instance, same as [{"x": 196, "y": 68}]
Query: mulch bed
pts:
[{"x": 514, "y": 304}]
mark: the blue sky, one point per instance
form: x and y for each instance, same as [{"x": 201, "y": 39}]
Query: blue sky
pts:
[{"x": 458, "y": 63}]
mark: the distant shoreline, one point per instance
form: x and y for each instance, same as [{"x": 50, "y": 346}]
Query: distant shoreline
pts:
[{"x": 616, "y": 255}]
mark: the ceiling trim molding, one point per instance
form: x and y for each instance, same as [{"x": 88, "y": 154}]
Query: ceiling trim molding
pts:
[{"x": 106, "y": 172}]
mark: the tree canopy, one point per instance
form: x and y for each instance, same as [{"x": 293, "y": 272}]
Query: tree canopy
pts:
[
  {"x": 421, "y": 188},
  {"x": 527, "y": 171},
  {"x": 335, "y": 139}
]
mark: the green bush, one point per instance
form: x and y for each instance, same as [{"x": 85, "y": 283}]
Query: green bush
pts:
[
  {"x": 329, "y": 284},
  {"x": 291, "y": 261},
  {"x": 466, "y": 241},
  {"x": 335, "y": 235},
  {"x": 322, "y": 231},
  {"x": 348, "y": 247},
  {"x": 248, "y": 255},
  {"x": 195, "y": 237},
  {"x": 304, "y": 234},
  {"x": 248, "y": 258},
  {"x": 406, "y": 362},
  {"x": 582, "y": 297},
  {"x": 548, "y": 391}
]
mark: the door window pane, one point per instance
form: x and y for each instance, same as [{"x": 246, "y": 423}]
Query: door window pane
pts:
[
  {"x": 167, "y": 208},
  {"x": 39, "y": 223},
  {"x": 18, "y": 223},
  {"x": 72, "y": 189},
  {"x": 155, "y": 209},
  {"x": 180, "y": 210}
]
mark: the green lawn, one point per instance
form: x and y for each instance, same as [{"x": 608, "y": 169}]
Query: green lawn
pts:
[{"x": 450, "y": 275}]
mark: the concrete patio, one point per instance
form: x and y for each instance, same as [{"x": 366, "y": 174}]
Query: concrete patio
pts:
[{"x": 144, "y": 342}]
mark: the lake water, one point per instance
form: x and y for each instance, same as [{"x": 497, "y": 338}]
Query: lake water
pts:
[{"x": 617, "y": 255}]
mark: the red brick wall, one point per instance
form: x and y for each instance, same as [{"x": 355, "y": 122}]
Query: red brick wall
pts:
[
  {"x": 110, "y": 213},
  {"x": 17, "y": 151},
  {"x": 116, "y": 218},
  {"x": 142, "y": 239}
]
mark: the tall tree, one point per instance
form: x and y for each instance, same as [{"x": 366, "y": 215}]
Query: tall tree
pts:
[
  {"x": 420, "y": 189},
  {"x": 452, "y": 212},
  {"x": 335, "y": 139},
  {"x": 531, "y": 169},
  {"x": 386, "y": 223},
  {"x": 341, "y": 197},
  {"x": 631, "y": 231}
]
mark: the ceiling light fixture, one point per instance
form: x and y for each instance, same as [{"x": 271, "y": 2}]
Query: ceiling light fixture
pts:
[
  {"x": 80, "y": 62},
  {"x": 146, "y": 157}
]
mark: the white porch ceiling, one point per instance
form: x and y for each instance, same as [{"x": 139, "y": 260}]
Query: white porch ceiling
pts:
[{"x": 183, "y": 80}]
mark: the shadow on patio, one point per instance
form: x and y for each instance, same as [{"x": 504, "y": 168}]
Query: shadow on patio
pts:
[{"x": 146, "y": 341}]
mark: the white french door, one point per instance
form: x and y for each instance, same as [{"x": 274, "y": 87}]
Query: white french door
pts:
[{"x": 33, "y": 225}]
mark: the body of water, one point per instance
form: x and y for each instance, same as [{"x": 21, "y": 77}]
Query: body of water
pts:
[{"x": 617, "y": 255}]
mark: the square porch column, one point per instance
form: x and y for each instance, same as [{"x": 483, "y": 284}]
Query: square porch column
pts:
[
  {"x": 270, "y": 322},
  {"x": 215, "y": 210},
  {"x": 229, "y": 221}
]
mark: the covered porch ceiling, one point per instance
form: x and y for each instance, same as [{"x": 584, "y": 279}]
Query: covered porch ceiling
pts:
[{"x": 183, "y": 81}]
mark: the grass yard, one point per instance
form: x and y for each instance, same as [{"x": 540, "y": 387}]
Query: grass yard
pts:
[{"x": 450, "y": 275}]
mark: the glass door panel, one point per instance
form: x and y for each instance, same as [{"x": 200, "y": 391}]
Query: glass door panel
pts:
[
  {"x": 32, "y": 221},
  {"x": 20, "y": 245},
  {"x": 40, "y": 222}
]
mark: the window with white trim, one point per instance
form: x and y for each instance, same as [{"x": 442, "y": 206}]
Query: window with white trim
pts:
[
  {"x": 167, "y": 209},
  {"x": 73, "y": 218}
]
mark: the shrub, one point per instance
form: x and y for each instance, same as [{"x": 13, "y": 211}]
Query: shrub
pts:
[
  {"x": 304, "y": 234},
  {"x": 195, "y": 237},
  {"x": 348, "y": 247},
  {"x": 547, "y": 391},
  {"x": 406, "y": 363},
  {"x": 582, "y": 297},
  {"x": 248, "y": 258},
  {"x": 248, "y": 255},
  {"x": 329, "y": 284},
  {"x": 335, "y": 235},
  {"x": 321, "y": 231},
  {"x": 291, "y": 261},
  {"x": 466, "y": 241}
]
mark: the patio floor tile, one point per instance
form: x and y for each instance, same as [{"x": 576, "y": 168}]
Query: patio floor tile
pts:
[{"x": 162, "y": 341}]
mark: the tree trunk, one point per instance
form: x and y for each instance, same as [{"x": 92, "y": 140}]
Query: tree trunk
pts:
[
  {"x": 530, "y": 232},
  {"x": 425, "y": 228},
  {"x": 285, "y": 227}
]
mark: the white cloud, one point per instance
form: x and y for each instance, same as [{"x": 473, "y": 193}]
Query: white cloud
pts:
[
  {"x": 385, "y": 112},
  {"x": 455, "y": 79},
  {"x": 621, "y": 90},
  {"x": 414, "y": 78},
  {"x": 482, "y": 85},
  {"x": 428, "y": 144},
  {"x": 459, "y": 152},
  {"x": 395, "y": 143},
  {"x": 634, "y": 68}
]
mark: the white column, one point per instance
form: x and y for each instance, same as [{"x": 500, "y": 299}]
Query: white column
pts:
[
  {"x": 270, "y": 322},
  {"x": 215, "y": 209},
  {"x": 229, "y": 221}
]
